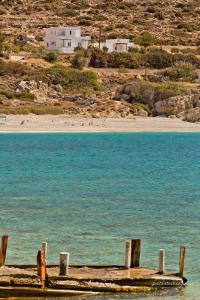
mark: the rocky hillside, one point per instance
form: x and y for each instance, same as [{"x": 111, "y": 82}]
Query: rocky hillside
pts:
[{"x": 171, "y": 22}]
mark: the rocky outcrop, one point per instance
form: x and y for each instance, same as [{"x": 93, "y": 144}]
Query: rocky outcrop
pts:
[
  {"x": 80, "y": 100},
  {"x": 140, "y": 112},
  {"x": 193, "y": 115},
  {"x": 40, "y": 90},
  {"x": 184, "y": 107},
  {"x": 173, "y": 105}
]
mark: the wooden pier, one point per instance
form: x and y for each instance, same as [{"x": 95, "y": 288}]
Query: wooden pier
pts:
[{"x": 65, "y": 280}]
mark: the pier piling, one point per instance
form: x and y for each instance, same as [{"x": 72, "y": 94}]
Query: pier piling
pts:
[
  {"x": 127, "y": 254},
  {"x": 41, "y": 267},
  {"x": 64, "y": 263},
  {"x": 161, "y": 268},
  {"x": 44, "y": 247},
  {"x": 135, "y": 253},
  {"x": 3, "y": 250},
  {"x": 182, "y": 261}
]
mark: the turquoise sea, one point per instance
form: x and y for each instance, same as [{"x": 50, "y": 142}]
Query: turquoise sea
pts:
[{"x": 87, "y": 193}]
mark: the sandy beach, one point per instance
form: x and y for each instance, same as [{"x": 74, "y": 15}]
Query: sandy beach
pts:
[{"x": 63, "y": 123}]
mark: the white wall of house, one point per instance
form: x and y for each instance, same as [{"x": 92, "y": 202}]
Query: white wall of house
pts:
[
  {"x": 65, "y": 39},
  {"x": 116, "y": 45}
]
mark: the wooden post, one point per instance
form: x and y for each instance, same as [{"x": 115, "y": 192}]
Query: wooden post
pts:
[
  {"x": 182, "y": 261},
  {"x": 64, "y": 263},
  {"x": 39, "y": 263},
  {"x": 41, "y": 267},
  {"x": 161, "y": 268},
  {"x": 135, "y": 253},
  {"x": 3, "y": 250},
  {"x": 44, "y": 249},
  {"x": 127, "y": 254}
]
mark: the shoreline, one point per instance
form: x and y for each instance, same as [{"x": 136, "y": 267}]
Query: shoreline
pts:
[{"x": 65, "y": 124}]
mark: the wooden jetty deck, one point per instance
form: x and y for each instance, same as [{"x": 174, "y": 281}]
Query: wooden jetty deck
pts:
[
  {"x": 64, "y": 280},
  {"x": 15, "y": 280}
]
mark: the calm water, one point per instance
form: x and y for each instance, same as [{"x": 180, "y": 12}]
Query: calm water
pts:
[{"x": 88, "y": 193}]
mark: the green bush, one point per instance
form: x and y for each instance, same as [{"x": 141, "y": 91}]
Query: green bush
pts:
[
  {"x": 51, "y": 57},
  {"x": 145, "y": 39},
  {"x": 85, "y": 22},
  {"x": 39, "y": 50},
  {"x": 141, "y": 92},
  {"x": 141, "y": 106},
  {"x": 7, "y": 45},
  {"x": 181, "y": 73},
  {"x": 68, "y": 13},
  {"x": 98, "y": 58},
  {"x": 123, "y": 60},
  {"x": 37, "y": 110},
  {"x": 186, "y": 59},
  {"x": 164, "y": 91},
  {"x": 100, "y": 17},
  {"x": 148, "y": 93},
  {"x": 8, "y": 93},
  {"x": 47, "y": 110},
  {"x": 152, "y": 9},
  {"x": 123, "y": 70},
  {"x": 13, "y": 69},
  {"x": 74, "y": 80},
  {"x": 80, "y": 60},
  {"x": 158, "y": 58},
  {"x": 14, "y": 110},
  {"x": 102, "y": 59},
  {"x": 186, "y": 26},
  {"x": 26, "y": 96}
]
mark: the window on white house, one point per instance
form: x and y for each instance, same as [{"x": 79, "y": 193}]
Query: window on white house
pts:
[
  {"x": 69, "y": 44},
  {"x": 47, "y": 45},
  {"x": 70, "y": 32}
]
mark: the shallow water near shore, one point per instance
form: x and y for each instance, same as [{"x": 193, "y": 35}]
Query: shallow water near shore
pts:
[{"x": 88, "y": 193}]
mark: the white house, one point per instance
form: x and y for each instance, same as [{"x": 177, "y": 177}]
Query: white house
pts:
[
  {"x": 65, "y": 39},
  {"x": 117, "y": 45}
]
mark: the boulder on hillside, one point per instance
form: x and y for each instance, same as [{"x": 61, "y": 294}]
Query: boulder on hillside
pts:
[
  {"x": 176, "y": 105},
  {"x": 193, "y": 115}
]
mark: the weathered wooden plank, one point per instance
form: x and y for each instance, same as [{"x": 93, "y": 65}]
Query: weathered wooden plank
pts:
[
  {"x": 135, "y": 253},
  {"x": 37, "y": 292}
]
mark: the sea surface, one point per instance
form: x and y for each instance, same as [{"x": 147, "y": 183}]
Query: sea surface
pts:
[{"x": 87, "y": 193}]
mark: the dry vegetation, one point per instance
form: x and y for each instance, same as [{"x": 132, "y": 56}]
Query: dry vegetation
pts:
[{"x": 172, "y": 22}]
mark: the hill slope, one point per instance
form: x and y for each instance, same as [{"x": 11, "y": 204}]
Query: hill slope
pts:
[{"x": 170, "y": 21}]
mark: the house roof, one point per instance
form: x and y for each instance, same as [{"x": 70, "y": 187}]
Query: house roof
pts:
[{"x": 64, "y": 28}]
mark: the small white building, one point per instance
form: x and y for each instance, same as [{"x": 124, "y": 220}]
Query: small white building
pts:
[
  {"x": 117, "y": 45},
  {"x": 65, "y": 39}
]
